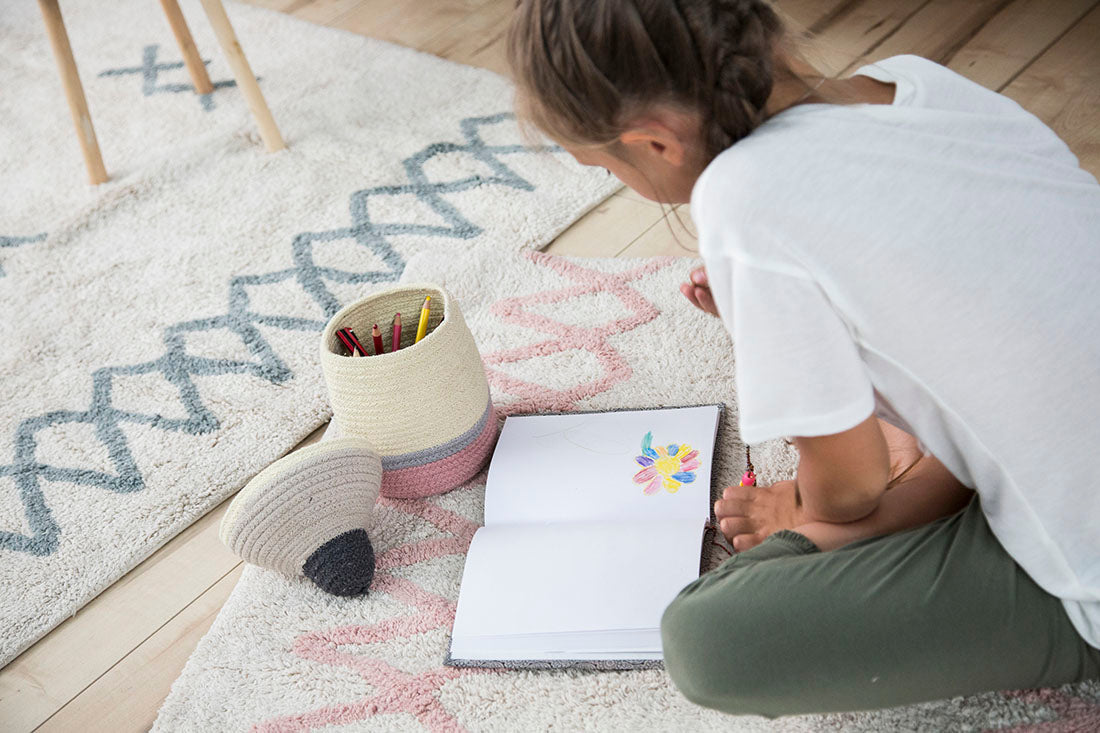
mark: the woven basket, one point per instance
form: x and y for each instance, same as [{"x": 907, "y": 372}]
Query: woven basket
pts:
[{"x": 425, "y": 407}]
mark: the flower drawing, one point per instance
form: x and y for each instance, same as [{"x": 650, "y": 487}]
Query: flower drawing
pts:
[{"x": 668, "y": 466}]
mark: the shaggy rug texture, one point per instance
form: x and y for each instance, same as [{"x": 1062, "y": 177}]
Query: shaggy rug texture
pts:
[
  {"x": 556, "y": 334},
  {"x": 159, "y": 333}
]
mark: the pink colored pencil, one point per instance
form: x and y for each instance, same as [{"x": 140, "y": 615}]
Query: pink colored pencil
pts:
[{"x": 396, "y": 333}]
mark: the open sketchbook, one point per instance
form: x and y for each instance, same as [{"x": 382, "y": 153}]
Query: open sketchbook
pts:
[{"x": 593, "y": 524}]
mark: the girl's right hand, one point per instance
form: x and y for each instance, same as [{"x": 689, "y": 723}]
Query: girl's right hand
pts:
[{"x": 698, "y": 291}]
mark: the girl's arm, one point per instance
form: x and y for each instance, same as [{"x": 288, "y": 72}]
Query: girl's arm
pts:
[
  {"x": 926, "y": 493},
  {"x": 842, "y": 477}
]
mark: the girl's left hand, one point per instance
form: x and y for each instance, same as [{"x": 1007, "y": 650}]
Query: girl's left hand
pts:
[
  {"x": 698, "y": 291},
  {"x": 747, "y": 515}
]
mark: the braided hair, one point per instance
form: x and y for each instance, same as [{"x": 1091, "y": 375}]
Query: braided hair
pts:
[{"x": 586, "y": 68}]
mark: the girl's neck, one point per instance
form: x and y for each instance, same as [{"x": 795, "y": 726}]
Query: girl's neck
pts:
[{"x": 797, "y": 82}]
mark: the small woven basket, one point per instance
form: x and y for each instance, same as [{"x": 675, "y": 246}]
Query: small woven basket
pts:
[{"x": 425, "y": 408}]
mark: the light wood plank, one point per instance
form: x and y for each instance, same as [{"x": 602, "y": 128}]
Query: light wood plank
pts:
[
  {"x": 410, "y": 24},
  {"x": 850, "y": 34},
  {"x": 672, "y": 236},
  {"x": 604, "y": 231},
  {"x": 282, "y": 6},
  {"x": 1014, "y": 37},
  {"x": 322, "y": 12},
  {"x": 630, "y": 193},
  {"x": 478, "y": 39},
  {"x": 806, "y": 15},
  {"x": 1062, "y": 87},
  {"x": 126, "y": 698},
  {"x": 937, "y": 30},
  {"x": 74, "y": 654}
]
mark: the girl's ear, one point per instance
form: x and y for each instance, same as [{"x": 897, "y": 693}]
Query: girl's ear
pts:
[{"x": 655, "y": 139}]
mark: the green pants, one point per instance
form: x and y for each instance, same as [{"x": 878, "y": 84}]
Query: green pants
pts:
[{"x": 938, "y": 611}]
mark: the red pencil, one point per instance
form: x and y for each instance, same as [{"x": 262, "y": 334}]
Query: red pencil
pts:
[
  {"x": 377, "y": 335},
  {"x": 355, "y": 341},
  {"x": 346, "y": 342},
  {"x": 396, "y": 333}
]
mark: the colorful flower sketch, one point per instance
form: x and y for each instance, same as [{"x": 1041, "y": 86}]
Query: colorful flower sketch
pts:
[{"x": 668, "y": 466}]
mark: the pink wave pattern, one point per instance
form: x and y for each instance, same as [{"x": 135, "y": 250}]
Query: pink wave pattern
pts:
[
  {"x": 534, "y": 397},
  {"x": 397, "y": 691},
  {"x": 1071, "y": 713}
]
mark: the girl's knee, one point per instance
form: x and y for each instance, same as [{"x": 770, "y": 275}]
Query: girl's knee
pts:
[{"x": 717, "y": 651}]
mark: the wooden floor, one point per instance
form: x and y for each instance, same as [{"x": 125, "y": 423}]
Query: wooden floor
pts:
[{"x": 109, "y": 667}]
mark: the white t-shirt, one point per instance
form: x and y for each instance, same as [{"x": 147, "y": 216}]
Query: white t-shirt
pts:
[{"x": 936, "y": 261}]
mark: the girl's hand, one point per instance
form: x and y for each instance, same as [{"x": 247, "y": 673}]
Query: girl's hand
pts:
[
  {"x": 698, "y": 291},
  {"x": 748, "y": 514}
]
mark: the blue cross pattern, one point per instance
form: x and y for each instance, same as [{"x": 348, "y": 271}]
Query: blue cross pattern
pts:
[
  {"x": 177, "y": 367},
  {"x": 150, "y": 69}
]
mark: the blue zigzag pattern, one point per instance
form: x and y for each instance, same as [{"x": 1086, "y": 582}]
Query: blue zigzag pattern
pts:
[
  {"x": 19, "y": 242},
  {"x": 178, "y": 367}
]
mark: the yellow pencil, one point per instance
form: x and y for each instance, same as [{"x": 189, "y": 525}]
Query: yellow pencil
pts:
[{"x": 422, "y": 327}]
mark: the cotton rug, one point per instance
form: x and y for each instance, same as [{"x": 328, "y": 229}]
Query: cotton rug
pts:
[
  {"x": 556, "y": 334},
  {"x": 159, "y": 331}
]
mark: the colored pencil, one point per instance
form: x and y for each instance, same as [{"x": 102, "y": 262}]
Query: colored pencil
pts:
[
  {"x": 422, "y": 327},
  {"x": 355, "y": 340},
  {"x": 377, "y": 336},
  {"x": 346, "y": 342},
  {"x": 396, "y": 333}
]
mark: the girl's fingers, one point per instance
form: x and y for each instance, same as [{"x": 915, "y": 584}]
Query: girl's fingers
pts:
[
  {"x": 689, "y": 293},
  {"x": 734, "y": 526},
  {"x": 744, "y": 542},
  {"x": 743, "y": 493},
  {"x": 705, "y": 300},
  {"x": 698, "y": 292}
]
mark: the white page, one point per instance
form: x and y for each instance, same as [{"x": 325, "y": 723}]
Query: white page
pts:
[
  {"x": 626, "y": 644},
  {"x": 584, "y": 648},
  {"x": 538, "y": 579},
  {"x": 470, "y": 652},
  {"x": 581, "y": 467},
  {"x": 625, "y": 638}
]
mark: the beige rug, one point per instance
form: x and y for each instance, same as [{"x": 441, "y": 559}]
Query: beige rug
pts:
[
  {"x": 157, "y": 346},
  {"x": 556, "y": 334}
]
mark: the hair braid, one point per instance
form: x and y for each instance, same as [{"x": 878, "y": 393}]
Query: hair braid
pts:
[{"x": 738, "y": 39}]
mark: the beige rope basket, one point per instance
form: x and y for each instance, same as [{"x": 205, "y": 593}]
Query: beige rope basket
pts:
[{"x": 425, "y": 408}]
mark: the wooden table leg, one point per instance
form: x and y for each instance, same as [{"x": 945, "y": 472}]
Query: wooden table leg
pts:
[
  {"x": 199, "y": 78},
  {"x": 246, "y": 81},
  {"x": 74, "y": 91}
]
